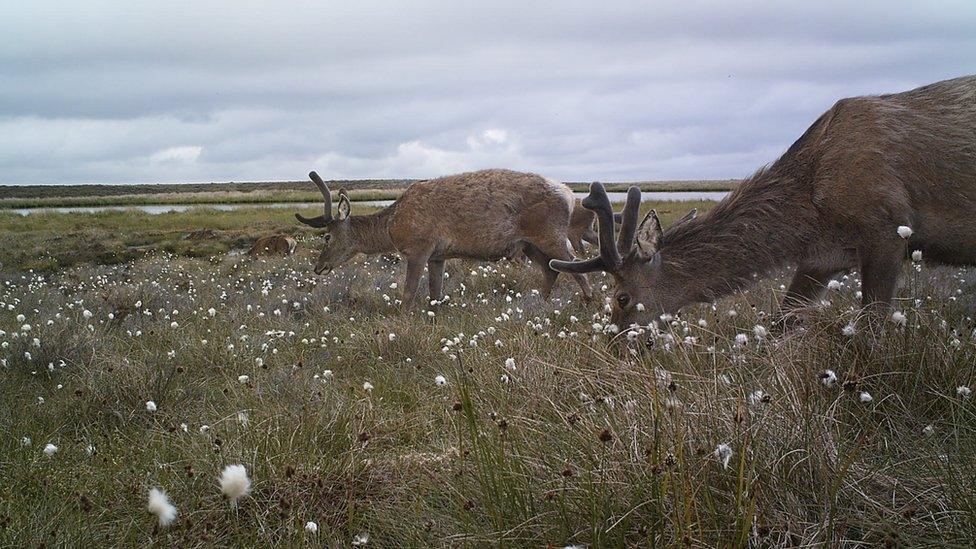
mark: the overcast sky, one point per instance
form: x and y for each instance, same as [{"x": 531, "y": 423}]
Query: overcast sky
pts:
[{"x": 238, "y": 90}]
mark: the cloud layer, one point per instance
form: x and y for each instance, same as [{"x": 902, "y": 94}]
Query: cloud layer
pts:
[{"x": 214, "y": 91}]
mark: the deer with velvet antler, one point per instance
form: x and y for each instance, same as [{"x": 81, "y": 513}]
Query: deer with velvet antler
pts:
[
  {"x": 484, "y": 215},
  {"x": 872, "y": 180}
]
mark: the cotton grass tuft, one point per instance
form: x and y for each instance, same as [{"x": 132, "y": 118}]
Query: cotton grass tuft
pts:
[
  {"x": 828, "y": 378},
  {"x": 234, "y": 483},
  {"x": 723, "y": 452},
  {"x": 899, "y": 318},
  {"x": 160, "y": 505}
]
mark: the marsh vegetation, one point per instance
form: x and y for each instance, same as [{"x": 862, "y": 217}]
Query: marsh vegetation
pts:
[{"x": 496, "y": 418}]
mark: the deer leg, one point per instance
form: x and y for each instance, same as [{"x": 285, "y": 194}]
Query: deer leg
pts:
[
  {"x": 553, "y": 250},
  {"x": 879, "y": 277},
  {"x": 577, "y": 245},
  {"x": 435, "y": 278},
  {"x": 415, "y": 268},
  {"x": 807, "y": 287},
  {"x": 549, "y": 276},
  {"x": 590, "y": 237}
]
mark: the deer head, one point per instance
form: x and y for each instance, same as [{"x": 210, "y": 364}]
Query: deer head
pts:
[
  {"x": 339, "y": 244},
  {"x": 646, "y": 285}
]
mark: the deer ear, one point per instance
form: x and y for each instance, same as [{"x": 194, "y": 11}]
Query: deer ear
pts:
[
  {"x": 344, "y": 206},
  {"x": 648, "y": 236}
]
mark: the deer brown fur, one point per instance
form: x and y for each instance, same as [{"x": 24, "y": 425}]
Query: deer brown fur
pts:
[
  {"x": 483, "y": 215},
  {"x": 278, "y": 244},
  {"x": 581, "y": 228},
  {"x": 832, "y": 202}
]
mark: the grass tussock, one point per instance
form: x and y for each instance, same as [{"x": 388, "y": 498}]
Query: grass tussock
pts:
[{"x": 715, "y": 433}]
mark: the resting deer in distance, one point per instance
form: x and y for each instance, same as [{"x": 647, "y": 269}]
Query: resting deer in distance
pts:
[
  {"x": 835, "y": 200},
  {"x": 278, "y": 244},
  {"x": 484, "y": 215}
]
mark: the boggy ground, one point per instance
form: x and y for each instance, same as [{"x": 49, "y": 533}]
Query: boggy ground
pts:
[{"x": 326, "y": 390}]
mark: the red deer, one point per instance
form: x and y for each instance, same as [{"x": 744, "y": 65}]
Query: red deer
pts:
[
  {"x": 484, "y": 215},
  {"x": 580, "y": 231},
  {"x": 835, "y": 200},
  {"x": 278, "y": 244}
]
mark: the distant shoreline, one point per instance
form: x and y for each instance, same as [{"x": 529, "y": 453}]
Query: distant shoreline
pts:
[{"x": 54, "y": 196}]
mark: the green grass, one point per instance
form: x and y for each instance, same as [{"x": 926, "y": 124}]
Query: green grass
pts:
[
  {"x": 582, "y": 445},
  {"x": 49, "y": 241}
]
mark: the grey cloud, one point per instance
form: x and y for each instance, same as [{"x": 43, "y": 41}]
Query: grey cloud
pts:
[{"x": 197, "y": 91}]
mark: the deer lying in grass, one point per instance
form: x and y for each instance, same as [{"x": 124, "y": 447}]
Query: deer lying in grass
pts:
[
  {"x": 833, "y": 201},
  {"x": 278, "y": 244},
  {"x": 485, "y": 215}
]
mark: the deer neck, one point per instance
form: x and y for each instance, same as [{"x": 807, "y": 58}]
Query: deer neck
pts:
[
  {"x": 372, "y": 232},
  {"x": 763, "y": 224}
]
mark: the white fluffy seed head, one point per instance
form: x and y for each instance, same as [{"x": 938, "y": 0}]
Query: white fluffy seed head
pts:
[
  {"x": 234, "y": 482},
  {"x": 828, "y": 378},
  {"x": 723, "y": 452},
  {"x": 904, "y": 231},
  {"x": 160, "y": 505}
]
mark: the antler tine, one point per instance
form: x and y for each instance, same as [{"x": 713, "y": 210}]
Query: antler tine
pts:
[
  {"x": 599, "y": 203},
  {"x": 324, "y": 190},
  {"x": 628, "y": 223},
  {"x": 322, "y": 220},
  {"x": 608, "y": 260},
  {"x": 588, "y": 266}
]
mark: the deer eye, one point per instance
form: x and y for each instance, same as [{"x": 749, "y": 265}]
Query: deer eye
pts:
[{"x": 623, "y": 300}]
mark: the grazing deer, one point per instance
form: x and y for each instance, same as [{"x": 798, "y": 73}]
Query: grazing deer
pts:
[
  {"x": 278, "y": 244},
  {"x": 833, "y": 201},
  {"x": 485, "y": 215}
]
